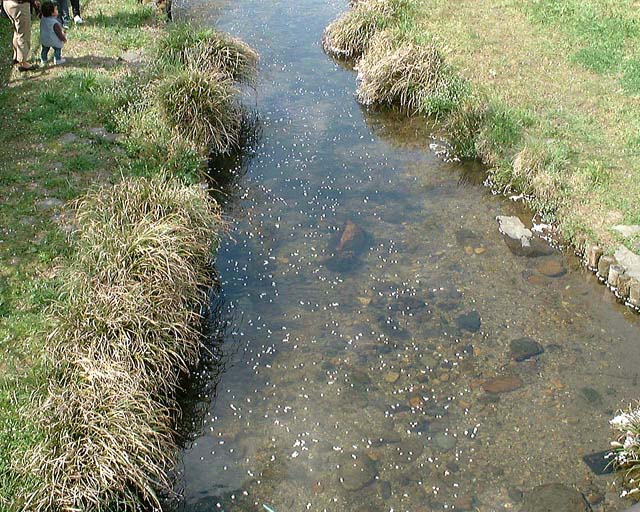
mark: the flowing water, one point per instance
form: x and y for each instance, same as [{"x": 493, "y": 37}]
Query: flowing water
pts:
[{"x": 369, "y": 300}]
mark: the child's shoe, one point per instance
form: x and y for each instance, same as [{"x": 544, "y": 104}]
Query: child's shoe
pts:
[
  {"x": 77, "y": 19},
  {"x": 58, "y": 62},
  {"x": 43, "y": 62}
]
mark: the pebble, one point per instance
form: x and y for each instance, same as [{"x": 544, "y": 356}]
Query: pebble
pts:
[
  {"x": 392, "y": 377},
  {"x": 525, "y": 348},
  {"x": 502, "y": 384}
]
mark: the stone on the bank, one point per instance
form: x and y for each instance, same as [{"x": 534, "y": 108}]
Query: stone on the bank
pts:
[
  {"x": 627, "y": 231},
  {"x": 49, "y": 204},
  {"x": 502, "y": 384},
  {"x": 525, "y": 348},
  {"x": 356, "y": 471},
  {"x": 603, "y": 265},
  {"x": 554, "y": 498},
  {"x": 629, "y": 260},
  {"x": 469, "y": 321}
]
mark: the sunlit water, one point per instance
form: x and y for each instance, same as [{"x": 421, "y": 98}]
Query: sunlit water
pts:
[{"x": 355, "y": 383}]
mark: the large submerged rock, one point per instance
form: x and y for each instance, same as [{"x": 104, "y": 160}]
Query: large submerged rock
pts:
[
  {"x": 351, "y": 242},
  {"x": 520, "y": 239},
  {"x": 554, "y": 498},
  {"x": 356, "y": 471}
]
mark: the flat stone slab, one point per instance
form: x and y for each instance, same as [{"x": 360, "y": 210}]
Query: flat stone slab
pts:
[
  {"x": 515, "y": 229},
  {"x": 629, "y": 260},
  {"x": 554, "y": 498},
  {"x": 49, "y": 204},
  {"x": 627, "y": 231},
  {"x": 502, "y": 384}
]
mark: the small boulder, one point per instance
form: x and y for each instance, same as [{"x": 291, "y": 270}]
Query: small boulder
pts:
[
  {"x": 356, "y": 471},
  {"x": 469, "y": 321},
  {"x": 525, "y": 348},
  {"x": 554, "y": 498}
]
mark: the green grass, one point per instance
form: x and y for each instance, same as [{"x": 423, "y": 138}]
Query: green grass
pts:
[{"x": 542, "y": 91}]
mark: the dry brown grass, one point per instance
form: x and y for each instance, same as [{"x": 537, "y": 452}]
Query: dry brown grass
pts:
[
  {"x": 126, "y": 331},
  {"x": 349, "y": 36},
  {"x": 402, "y": 73}
]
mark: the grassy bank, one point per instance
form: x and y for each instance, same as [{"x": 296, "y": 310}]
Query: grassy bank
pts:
[
  {"x": 546, "y": 93},
  {"x": 100, "y": 296}
]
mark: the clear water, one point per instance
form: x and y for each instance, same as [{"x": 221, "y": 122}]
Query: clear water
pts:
[{"x": 353, "y": 383}]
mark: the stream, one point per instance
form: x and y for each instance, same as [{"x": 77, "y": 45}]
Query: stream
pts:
[{"x": 381, "y": 347}]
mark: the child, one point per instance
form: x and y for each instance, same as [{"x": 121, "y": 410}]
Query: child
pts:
[{"x": 51, "y": 34}]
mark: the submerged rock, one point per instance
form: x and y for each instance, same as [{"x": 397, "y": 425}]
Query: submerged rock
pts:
[
  {"x": 444, "y": 442},
  {"x": 551, "y": 268},
  {"x": 351, "y": 242},
  {"x": 502, "y": 384},
  {"x": 520, "y": 239},
  {"x": 554, "y": 498},
  {"x": 356, "y": 471},
  {"x": 469, "y": 321},
  {"x": 525, "y": 348}
]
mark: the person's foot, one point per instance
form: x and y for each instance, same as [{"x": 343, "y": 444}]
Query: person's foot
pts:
[
  {"x": 65, "y": 25},
  {"x": 26, "y": 66},
  {"x": 58, "y": 62},
  {"x": 43, "y": 62},
  {"x": 77, "y": 19}
]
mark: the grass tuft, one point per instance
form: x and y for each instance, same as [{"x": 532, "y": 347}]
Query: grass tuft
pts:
[
  {"x": 199, "y": 107},
  {"x": 207, "y": 50},
  {"x": 126, "y": 330},
  {"x": 349, "y": 36},
  {"x": 407, "y": 74}
]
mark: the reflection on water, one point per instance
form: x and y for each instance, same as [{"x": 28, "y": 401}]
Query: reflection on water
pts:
[{"x": 384, "y": 348}]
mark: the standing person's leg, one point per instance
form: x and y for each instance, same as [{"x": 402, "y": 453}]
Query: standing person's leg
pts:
[
  {"x": 63, "y": 13},
  {"x": 14, "y": 41},
  {"x": 75, "y": 4},
  {"x": 20, "y": 15},
  {"x": 44, "y": 54},
  {"x": 57, "y": 56}
]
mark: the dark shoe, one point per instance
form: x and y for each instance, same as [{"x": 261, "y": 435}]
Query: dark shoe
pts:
[{"x": 30, "y": 67}]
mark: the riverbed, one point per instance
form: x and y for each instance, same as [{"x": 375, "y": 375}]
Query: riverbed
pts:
[{"x": 371, "y": 316}]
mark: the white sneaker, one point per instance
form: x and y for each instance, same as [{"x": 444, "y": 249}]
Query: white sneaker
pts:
[
  {"x": 43, "y": 62},
  {"x": 57, "y": 62},
  {"x": 78, "y": 20}
]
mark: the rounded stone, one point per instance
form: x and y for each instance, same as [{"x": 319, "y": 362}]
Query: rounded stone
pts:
[
  {"x": 551, "y": 268},
  {"x": 525, "y": 348},
  {"x": 444, "y": 442},
  {"x": 356, "y": 471},
  {"x": 554, "y": 498}
]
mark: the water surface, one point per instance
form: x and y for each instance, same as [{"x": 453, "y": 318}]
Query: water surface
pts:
[{"x": 355, "y": 383}]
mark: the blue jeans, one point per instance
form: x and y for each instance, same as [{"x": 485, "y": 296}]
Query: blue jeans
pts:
[
  {"x": 63, "y": 10},
  {"x": 57, "y": 53}
]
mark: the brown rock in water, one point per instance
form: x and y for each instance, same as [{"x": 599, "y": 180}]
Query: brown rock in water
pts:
[
  {"x": 352, "y": 237},
  {"x": 554, "y": 498},
  {"x": 551, "y": 268},
  {"x": 351, "y": 242},
  {"x": 502, "y": 384}
]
